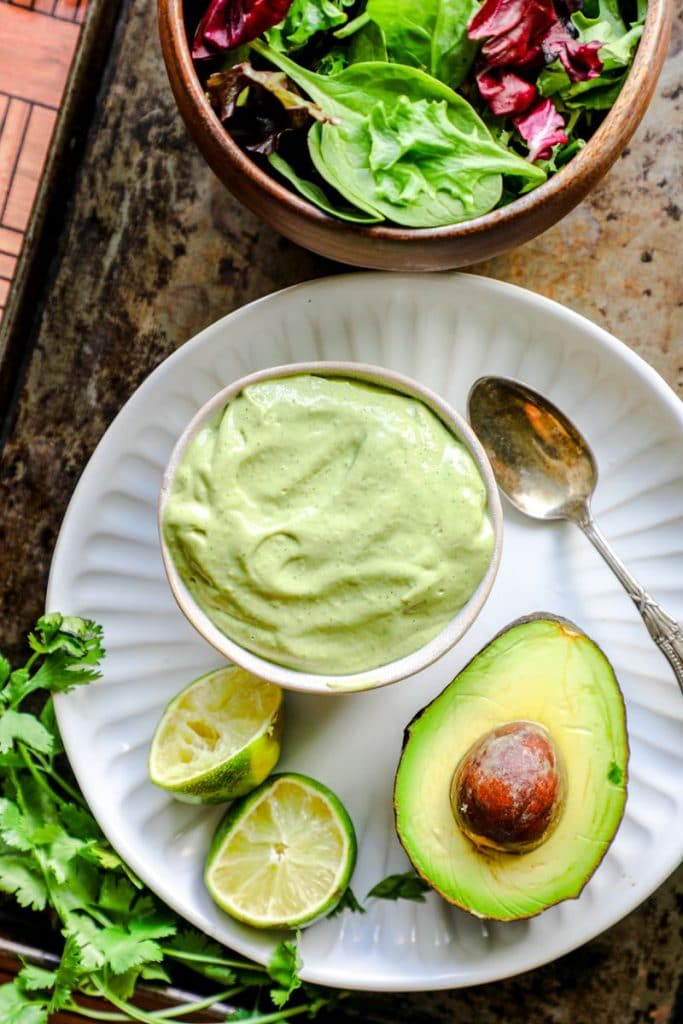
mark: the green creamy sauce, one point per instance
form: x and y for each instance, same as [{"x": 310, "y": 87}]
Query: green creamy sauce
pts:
[{"x": 328, "y": 525}]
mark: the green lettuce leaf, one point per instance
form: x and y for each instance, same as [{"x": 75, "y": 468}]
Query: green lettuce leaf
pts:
[{"x": 304, "y": 20}]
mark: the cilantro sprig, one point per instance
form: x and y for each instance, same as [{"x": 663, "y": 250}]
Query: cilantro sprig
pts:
[{"x": 53, "y": 856}]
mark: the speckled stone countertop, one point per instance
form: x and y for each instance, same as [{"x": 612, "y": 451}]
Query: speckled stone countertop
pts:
[{"x": 153, "y": 249}]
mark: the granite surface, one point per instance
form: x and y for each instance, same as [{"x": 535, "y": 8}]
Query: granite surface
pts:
[{"x": 153, "y": 249}]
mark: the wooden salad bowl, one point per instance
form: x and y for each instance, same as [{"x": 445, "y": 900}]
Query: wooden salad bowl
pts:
[{"x": 395, "y": 248}]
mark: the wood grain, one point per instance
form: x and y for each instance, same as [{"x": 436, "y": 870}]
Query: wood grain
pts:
[{"x": 38, "y": 39}]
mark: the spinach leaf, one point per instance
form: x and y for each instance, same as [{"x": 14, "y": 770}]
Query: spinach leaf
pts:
[
  {"x": 338, "y": 182},
  {"x": 309, "y": 190},
  {"x": 403, "y": 146},
  {"x": 359, "y": 40},
  {"x": 367, "y": 44},
  {"x": 428, "y": 34}
]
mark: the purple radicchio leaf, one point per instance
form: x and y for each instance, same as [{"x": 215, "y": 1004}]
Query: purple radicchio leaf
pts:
[
  {"x": 513, "y": 30},
  {"x": 541, "y": 127},
  {"x": 579, "y": 60},
  {"x": 230, "y": 23},
  {"x": 505, "y": 92}
]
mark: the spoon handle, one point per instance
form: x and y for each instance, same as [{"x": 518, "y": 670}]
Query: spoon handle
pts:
[{"x": 664, "y": 630}]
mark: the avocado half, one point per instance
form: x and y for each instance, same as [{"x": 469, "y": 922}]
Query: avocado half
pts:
[{"x": 540, "y": 669}]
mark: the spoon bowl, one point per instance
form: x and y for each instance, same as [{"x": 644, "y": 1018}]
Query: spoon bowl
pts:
[
  {"x": 542, "y": 463},
  {"x": 545, "y": 467}
]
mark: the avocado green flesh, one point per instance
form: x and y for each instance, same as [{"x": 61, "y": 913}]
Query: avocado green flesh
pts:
[{"x": 541, "y": 670}]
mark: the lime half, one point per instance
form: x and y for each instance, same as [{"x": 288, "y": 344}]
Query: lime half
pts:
[
  {"x": 283, "y": 855},
  {"x": 219, "y": 738}
]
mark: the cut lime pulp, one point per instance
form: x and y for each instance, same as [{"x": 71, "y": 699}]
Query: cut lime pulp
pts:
[
  {"x": 282, "y": 856},
  {"x": 219, "y": 738}
]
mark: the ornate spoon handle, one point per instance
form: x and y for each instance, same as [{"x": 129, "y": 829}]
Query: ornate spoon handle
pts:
[{"x": 664, "y": 630}]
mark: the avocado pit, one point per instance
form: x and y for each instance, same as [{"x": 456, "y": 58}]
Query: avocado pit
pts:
[{"x": 508, "y": 790}]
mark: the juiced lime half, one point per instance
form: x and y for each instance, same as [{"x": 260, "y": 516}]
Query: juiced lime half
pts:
[
  {"x": 219, "y": 738},
  {"x": 283, "y": 855}
]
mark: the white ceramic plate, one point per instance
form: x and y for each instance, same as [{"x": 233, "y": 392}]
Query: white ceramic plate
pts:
[{"x": 445, "y": 331}]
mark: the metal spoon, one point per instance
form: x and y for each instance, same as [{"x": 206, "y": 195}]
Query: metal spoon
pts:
[{"x": 545, "y": 467}]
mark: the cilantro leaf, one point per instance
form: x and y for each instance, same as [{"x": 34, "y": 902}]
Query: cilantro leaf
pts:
[
  {"x": 117, "y": 894},
  {"x": 62, "y": 850},
  {"x": 82, "y": 930},
  {"x": 80, "y": 822},
  {"x": 39, "y": 806},
  {"x": 19, "y": 726},
  {"x": 36, "y": 979},
  {"x": 189, "y": 940},
  {"x": 16, "y": 685},
  {"x": 22, "y": 879},
  {"x": 12, "y": 759},
  {"x": 408, "y": 886},
  {"x": 13, "y": 826},
  {"x": 56, "y": 986},
  {"x": 283, "y": 967},
  {"x": 53, "y": 854},
  {"x": 130, "y": 945},
  {"x": 105, "y": 857},
  {"x": 348, "y": 902},
  {"x": 61, "y": 671},
  {"x": 68, "y": 647},
  {"x": 123, "y": 950},
  {"x": 123, "y": 985},
  {"x": 67, "y": 976},
  {"x": 200, "y": 952},
  {"x": 48, "y": 718},
  {"x": 155, "y": 972},
  {"x": 56, "y": 632},
  {"x": 19, "y": 1007}
]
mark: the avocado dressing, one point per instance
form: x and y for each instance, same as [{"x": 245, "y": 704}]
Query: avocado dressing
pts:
[{"x": 327, "y": 524}]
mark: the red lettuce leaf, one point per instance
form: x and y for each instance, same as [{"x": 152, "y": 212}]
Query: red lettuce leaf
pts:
[
  {"x": 274, "y": 107},
  {"x": 520, "y": 37},
  {"x": 541, "y": 127},
  {"x": 505, "y": 92},
  {"x": 579, "y": 60},
  {"x": 513, "y": 30},
  {"x": 230, "y": 23}
]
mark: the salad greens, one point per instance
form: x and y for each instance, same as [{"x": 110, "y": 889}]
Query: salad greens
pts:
[
  {"x": 402, "y": 145},
  {"x": 397, "y": 143}
]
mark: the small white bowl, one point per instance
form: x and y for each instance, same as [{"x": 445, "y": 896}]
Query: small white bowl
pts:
[{"x": 311, "y": 682}]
